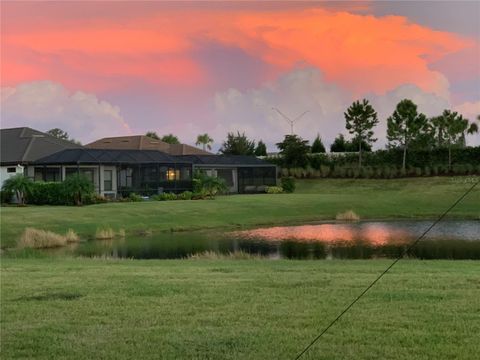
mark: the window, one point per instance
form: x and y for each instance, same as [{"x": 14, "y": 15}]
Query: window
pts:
[
  {"x": 11, "y": 170},
  {"x": 171, "y": 174},
  {"x": 107, "y": 180},
  {"x": 125, "y": 177}
]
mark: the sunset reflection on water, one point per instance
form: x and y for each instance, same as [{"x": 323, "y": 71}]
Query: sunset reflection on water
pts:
[{"x": 373, "y": 234}]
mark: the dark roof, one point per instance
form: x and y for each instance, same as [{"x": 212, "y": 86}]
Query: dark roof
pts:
[
  {"x": 108, "y": 156},
  {"x": 226, "y": 160},
  {"x": 23, "y": 145}
]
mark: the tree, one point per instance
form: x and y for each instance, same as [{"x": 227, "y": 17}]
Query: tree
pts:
[
  {"x": 360, "y": 119},
  {"x": 19, "y": 185},
  {"x": 405, "y": 125},
  {"x": 205, "y": 140},
  {"x": 78, "y": 187},
  {"x": 153, "y": 135},
  {"x": 339, "y": 144},
  {"x": 456, "y": 127},
  {"x": 238, "y": 144},
  {"x": 261, "y": 149},
  {"x": 294, "y": 151},
  {"x": 317, "y": 145},
  {"x": 59, "y": 133},
  {"x": 170, "y": 139}
]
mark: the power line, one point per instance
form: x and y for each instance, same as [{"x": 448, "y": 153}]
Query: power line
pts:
[{"x": 385, "y": 271}]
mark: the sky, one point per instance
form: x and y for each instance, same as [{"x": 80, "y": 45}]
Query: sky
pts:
[{"x": 99, "y": 69}]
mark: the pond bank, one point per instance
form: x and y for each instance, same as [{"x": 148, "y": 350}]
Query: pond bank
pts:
[{"x": 315, "y": 200}]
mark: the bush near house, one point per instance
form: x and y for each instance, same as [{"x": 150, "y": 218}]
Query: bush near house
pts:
[
  {"x": 274, "y": 190},
  {"x": 76, "y": 190},
  {"x": 288, "y": 184}
]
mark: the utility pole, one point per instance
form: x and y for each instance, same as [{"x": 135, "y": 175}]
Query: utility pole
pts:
[{"x": 290, "y": 121}]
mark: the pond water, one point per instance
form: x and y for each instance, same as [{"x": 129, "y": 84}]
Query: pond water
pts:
[{"x": 360, "y": 240}]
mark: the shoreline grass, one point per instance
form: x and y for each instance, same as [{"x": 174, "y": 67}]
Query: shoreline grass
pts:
[
  {"x": 315, "y": 200},
  {"x": 236, "y": 309}
]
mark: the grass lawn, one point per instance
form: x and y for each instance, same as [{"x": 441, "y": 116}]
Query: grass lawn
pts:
[
  {"x": 237, "y": 309},
  {"x": 314, "y": 200}
]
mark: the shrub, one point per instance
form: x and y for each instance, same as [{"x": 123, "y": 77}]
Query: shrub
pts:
[
  {"x": 208, "y": 185},
  {"x": 288, "y": 184},
  {"x": 121, "y": 233},
  {"x": 186, "y": 195},
  {"x": 37, "y": 239},
  {"x": 99, "y": 199},
  {"x": 273, "y": 190},
  {"x": 165, "y": 196},
  {"x": 348, "y": 216},
  {"x": 5, "y": 196},
  {"x": 104, "y": 234},
  {"x": 325, "y": 170},
  {"x": 134, "y": 197},
  {"x": 48, "y": 193},
  {"x": 78, "y": 188}
]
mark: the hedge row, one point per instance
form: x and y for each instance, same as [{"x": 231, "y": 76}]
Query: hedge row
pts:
[
  {"x": 379, "y": 172},
  {"x": 54, "y": 193},
  {"x": 393, "y": 157}
]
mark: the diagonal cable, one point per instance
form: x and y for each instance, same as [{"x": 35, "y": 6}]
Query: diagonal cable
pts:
[{"x": 411, "y": 246}]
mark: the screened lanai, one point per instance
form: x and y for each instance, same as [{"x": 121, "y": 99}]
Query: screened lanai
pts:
[{"x": 117, "y": 172}]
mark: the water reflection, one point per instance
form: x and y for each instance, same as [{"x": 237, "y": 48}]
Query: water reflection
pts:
[{"x": 364, "y": 240}]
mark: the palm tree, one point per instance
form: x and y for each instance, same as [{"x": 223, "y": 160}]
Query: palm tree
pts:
[
  {"x": 20, "y": 185},
  {"x": 205, "y": 140}
]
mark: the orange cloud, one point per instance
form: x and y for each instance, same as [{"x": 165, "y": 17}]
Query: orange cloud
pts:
[{"x": 362, "y": 53}]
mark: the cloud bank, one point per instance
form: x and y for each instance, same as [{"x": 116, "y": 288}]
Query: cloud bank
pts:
[
  {"x": 306, "y": 89},
  {"x": 44, "y": 105}
]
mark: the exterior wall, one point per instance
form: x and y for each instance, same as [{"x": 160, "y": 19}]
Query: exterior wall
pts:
[{"x": 5, "y": 174}]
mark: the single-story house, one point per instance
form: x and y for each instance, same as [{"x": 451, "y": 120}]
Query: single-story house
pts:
[
  {"x": 122, "y": 171},
  {"x": 21, "y": 146}
]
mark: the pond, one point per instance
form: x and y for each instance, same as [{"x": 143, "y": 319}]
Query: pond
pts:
[{"x": 360, "y": 240}]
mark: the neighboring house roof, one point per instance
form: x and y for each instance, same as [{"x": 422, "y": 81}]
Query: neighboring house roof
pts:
[
  {"x": 23, "y": 145},
  {"x": 142, "y": 142},
  {"x": 226, "y": 160},
  {"x": 108, "y": 156}
]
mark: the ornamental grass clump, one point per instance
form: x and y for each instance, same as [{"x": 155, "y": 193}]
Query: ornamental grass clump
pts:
[
  {"x": 71, "y": 236},
  {"x": 38, "y": 239},
  {"x": 105, "y": 234},
  {"x": 348, "y": 216}
]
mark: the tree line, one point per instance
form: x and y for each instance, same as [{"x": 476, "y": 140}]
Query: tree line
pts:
[{"x": 407, "y": 128}]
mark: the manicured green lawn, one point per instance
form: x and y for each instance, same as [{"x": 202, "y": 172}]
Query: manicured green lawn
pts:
[
  {"x": 315, "y": 200},
  {"x": 237, "y": 309}
]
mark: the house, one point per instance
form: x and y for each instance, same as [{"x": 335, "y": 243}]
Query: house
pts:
[
  {"x": 21, "y": 146},
  {"x": 142, "y": 142},
  {"x": 123, "y": 170}
]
